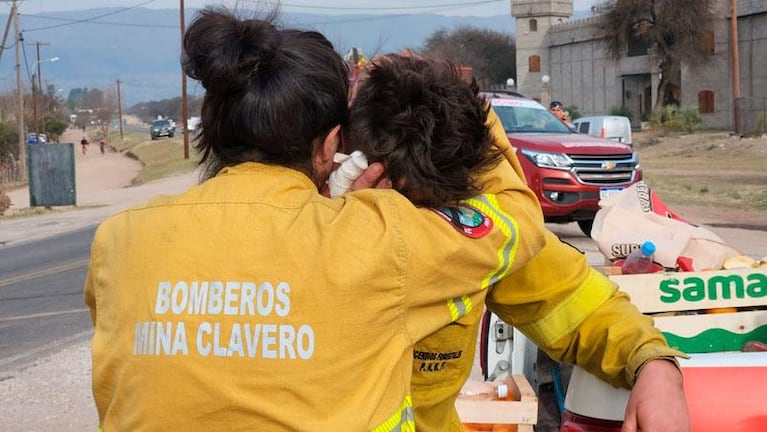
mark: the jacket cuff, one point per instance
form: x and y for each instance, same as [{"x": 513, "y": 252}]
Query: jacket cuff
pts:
[{"x": 647, "y": 353}]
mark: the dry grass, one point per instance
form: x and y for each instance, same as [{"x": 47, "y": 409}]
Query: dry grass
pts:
[
  {"x": 161, "y": 158},
  {"x": 706, "y": 168}
]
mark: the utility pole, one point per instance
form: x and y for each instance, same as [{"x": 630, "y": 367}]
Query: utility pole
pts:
[
  {"x": 184, "y": 113},
  {"x": 735, "y": 63},
  {"x": 19, "y": 95},
  {"x": 38, "y": 101},
  {"x": 7, "y": 28},
  {"x": 120, "y": 111}
]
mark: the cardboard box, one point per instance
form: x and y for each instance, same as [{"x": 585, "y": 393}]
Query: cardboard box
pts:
[
  {"x": 700, "y": 312},
  {"x": 691, "y": 291},
  {"x": 523, "y": 413}
]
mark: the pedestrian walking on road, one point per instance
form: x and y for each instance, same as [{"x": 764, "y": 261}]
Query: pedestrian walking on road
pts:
[
  {"x": 102, "y": 145},
  {"x": 84, "y": 145}
]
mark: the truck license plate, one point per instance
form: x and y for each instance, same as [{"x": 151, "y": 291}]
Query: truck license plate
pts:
[{"x": 606, "y": 192}]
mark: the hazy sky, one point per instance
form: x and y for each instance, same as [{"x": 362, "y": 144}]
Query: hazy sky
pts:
[{"x": 445, "y": 7}]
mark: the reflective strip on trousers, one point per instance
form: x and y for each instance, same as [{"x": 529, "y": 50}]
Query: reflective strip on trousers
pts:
[
  {"x": 400, "y": 421},
  {"x": 459, "y": 307}
]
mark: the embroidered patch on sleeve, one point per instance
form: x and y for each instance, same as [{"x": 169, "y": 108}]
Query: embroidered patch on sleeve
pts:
[{"x": 467, "y": 220}]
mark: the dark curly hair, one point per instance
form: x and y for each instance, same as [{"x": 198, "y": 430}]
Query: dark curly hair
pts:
[
  {"x": 270, "y": 92},
  {"x": 426, "y": 125}
]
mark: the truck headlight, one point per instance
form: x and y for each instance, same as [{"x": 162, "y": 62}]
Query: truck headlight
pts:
[{"x": 549, "y": 160}]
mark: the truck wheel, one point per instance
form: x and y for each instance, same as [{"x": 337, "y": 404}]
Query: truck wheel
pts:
[{"x": 585, "y": 226}]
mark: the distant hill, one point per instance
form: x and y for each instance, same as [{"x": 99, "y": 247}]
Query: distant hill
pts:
[{"x": 140, "y": 47}]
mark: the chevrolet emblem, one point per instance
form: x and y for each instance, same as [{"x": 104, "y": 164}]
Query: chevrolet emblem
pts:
[{"x": 608, "y": 165}]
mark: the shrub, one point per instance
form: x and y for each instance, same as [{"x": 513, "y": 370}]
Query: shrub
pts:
[
  {"x": 573, "y": 112},
  {"x": 5, "y": 202},
  {"x": 671, "y": 118},
  {"x": 621, "y": 111}
]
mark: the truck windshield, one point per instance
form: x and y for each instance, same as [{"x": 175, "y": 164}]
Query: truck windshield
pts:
[{"x": 527, "y": 119}]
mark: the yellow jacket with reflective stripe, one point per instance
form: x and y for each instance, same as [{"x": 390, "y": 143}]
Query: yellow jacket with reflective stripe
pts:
[
  {"x": 560, "y": 303},
  {"x": 250, "y": 302}
]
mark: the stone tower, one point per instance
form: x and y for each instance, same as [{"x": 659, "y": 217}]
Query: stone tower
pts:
[{"x": 534, "y": 18}]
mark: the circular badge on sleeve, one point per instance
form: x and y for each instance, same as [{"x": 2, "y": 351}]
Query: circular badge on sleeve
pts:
[{"x": 467, "y": 220}]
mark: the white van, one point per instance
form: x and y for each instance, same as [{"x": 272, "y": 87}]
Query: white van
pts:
[{"x": 616, "y": 128}]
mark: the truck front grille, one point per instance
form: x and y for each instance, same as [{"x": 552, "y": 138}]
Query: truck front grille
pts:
[{"x": 604, "y": 170}]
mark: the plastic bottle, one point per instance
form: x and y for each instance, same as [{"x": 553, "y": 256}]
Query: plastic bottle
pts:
[
  {"x": 639, "y": 260},
  {"x": 505, "y": 390}
]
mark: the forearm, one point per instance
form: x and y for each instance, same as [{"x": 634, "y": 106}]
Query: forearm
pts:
[{"x": 577, "y": 315}]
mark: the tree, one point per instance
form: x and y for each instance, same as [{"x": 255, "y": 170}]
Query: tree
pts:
[
  {"x": 674, "y": 31},
  {"x": 491, "y": 54}
]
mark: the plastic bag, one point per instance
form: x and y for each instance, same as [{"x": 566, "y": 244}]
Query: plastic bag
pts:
[{"x": 636, "y": 214}]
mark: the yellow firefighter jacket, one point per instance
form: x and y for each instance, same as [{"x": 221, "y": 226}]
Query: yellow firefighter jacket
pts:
[
  {"x": 559, "y": 302},
  {"x": 251, "y": 302}
]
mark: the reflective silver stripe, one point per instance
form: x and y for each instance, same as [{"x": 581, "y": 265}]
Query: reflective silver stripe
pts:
[
  {"x": 401, "y": 421},
  {"x": 459, "y": 307},
  {"x": 488, "y": 204}
]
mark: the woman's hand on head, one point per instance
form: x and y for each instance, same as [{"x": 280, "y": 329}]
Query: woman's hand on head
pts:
[{"x": 371, "y": 178}]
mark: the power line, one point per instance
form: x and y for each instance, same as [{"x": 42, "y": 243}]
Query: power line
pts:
[
  {"x": 110, "y": 23},
  {"x": 384, "y": 8},
  {"x": 88, "y": 20}
]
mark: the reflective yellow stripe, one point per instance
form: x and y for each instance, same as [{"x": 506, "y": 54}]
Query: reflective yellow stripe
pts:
[
  {"x": 400, "y": 421},
  {"x": 488, "y": 204},
  {"x": 459, "y": 307},
  {"x": 570, "y": 313}
]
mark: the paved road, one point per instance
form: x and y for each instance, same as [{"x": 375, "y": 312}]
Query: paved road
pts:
[{"x": 41, "y": 296}]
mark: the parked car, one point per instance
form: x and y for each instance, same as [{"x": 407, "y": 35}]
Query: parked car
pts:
[
  {"x": 162, "y": 127},
  {"x": 569, "y": 172},
  {"x": 616, "y": 128},
  {"x": 33, "y": 139}
]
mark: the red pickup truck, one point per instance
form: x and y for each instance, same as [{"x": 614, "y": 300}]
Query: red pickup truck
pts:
[{"x": 569, "y": 172}]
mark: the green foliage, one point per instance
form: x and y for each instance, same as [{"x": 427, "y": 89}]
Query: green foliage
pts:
[
  {"x": 621, "y": 111},
  {"x": 54, "y": 128},
  {"x": 490, "y": 54},
  {"x": 9, "y": 140},
  {"x": 171, "y": 108},
  {"x": 5, "y": 202},
  {"x": 671, "y": 118},
  {"x": 573, "y": 112}
]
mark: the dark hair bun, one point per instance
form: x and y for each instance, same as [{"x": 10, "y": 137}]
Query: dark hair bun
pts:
[{"x": 223, "y": 52}]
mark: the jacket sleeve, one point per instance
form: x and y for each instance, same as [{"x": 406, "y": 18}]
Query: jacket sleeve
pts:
[
  {"x": 577, "y": 315},
  {"x": 571, "y": 311}
]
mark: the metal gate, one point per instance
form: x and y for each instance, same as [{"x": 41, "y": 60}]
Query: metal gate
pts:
[{"x": 51, "y": 175}]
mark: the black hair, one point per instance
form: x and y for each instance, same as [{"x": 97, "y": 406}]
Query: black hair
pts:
[
  {"x": 270, "y": 92},
  {"x": 555, "y": 104},
  {"x": 426, "y": 125}
]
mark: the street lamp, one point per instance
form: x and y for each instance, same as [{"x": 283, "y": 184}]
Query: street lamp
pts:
[
  {"x": 545, "y": 98},
  {"x": 40, "y": 92}
]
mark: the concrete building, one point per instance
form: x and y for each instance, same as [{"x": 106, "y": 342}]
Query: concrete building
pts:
[{"x": 562, "y": 59}]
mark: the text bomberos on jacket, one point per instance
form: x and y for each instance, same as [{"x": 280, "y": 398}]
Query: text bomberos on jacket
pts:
[{"x": 210, "y": 336}]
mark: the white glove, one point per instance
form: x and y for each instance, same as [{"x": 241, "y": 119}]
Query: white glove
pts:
[{"x": 351, "y": 167}]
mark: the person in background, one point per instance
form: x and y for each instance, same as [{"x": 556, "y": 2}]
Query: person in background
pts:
[
  {"x": 84, "y": 145},
  {"x": 102, "y": 145},
  {"x": 559, "y": 112},
  {"x": 253, "y": 302},
  {"x": 414, "y": 116}
]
